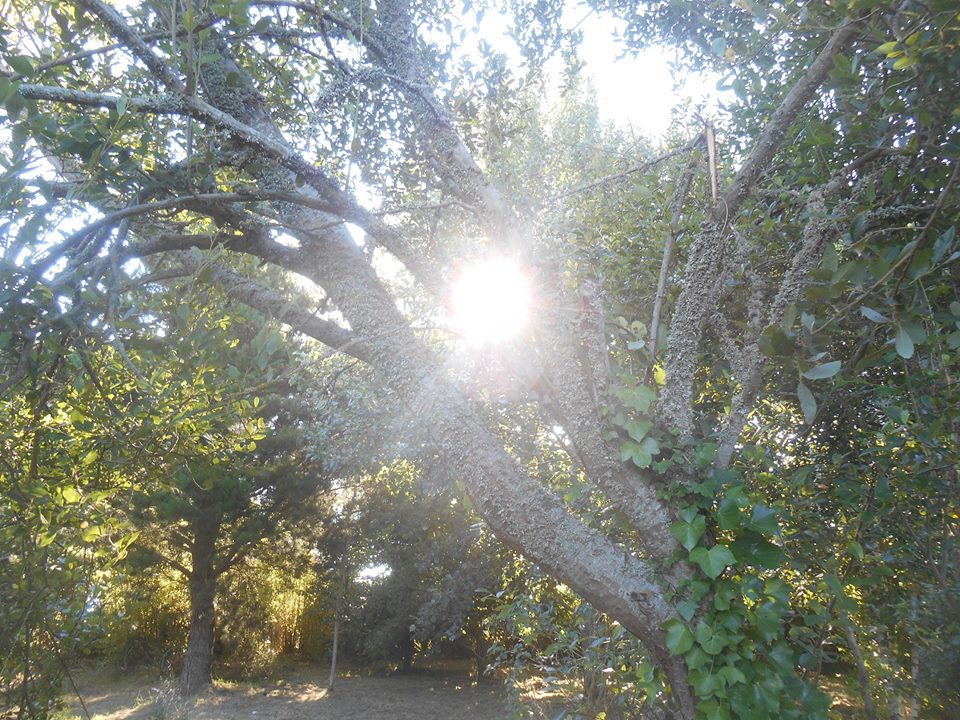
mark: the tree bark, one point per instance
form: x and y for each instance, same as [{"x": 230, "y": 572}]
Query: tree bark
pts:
[
  {"x": 197, "y": 671},
  {"x": 869, "y": 711}
]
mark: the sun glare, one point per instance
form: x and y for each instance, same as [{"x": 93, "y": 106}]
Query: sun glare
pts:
[{"x": 490, "y": 302}]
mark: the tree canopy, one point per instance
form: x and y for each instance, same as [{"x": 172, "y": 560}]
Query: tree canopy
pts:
[{"x": 730, "y": 422}]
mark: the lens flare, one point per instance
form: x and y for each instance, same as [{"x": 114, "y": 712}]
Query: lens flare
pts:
[{"x": 490, "y": 301}]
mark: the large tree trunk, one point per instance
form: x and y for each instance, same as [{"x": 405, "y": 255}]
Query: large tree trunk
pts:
[{"x": 197, "y": 670}]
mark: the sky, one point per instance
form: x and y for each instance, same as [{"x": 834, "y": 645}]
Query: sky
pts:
[{"x": 635, "y": 91}]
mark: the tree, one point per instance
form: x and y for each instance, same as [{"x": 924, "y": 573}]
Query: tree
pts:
[
  {"x": 239, "y": 128},
  {"x": 212, "y": 509}
]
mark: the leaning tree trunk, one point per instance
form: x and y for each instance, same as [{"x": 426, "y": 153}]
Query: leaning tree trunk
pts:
[{"x": 197, "y": 670}]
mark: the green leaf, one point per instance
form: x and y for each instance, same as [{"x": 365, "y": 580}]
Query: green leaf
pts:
[
  {"x": 709, "y": 639},
  {"x": 855, "y": 549},
  {"x": 71, "y": 494},
  {"x": 732, "y": 675},
  {"x": 706, "y": 684},
  {"x": 728, "y": 514},
  {"x": 637, "y": 398},
  {"x": 873, "y": 315},
  {"x": 20, "y": 63},
  {"x": 763, "y": 519},
  {"x": 808, "y": 403},
  {"x": 753, "y": 549},
  {"x": 687, "y": 609},
  {"x": 696, "y": 658},
  {"x": 713, "y": 561},
  {"x": 638, "y": 429},
  {"x": 789, "y": 317},
  {"x": 640, "y": 454},
  {"x": 679, "y": 637},
  {"x": 904, "y": 343},
  {"x": 824, "y": 371},
  {"x": 689, "y": 533}
]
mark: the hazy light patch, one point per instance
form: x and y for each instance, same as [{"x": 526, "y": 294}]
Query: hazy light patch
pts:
[
  {"x": 372, "y": 573},
  {"x": 638, "y": 90},
  {"x": 357, "y": 233},
  {"x": 490, "y": 301},
  {"x": 287, "y": 240}
]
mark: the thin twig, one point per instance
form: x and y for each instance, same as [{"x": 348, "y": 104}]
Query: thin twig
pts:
[
  {"x": 676, "y": 207},
  {"x": 626, "y": 173}
]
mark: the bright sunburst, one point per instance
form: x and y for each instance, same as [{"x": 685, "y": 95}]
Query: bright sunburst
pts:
[{"x": 490, "y": 302}]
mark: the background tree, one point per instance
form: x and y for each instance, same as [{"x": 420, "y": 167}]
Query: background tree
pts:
[{"x": 218, "y": 508}]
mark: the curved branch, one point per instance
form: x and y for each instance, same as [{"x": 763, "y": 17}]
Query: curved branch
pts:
[{"x": 277, "y": 306}]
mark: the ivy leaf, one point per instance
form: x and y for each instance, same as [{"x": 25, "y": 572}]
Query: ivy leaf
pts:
[
  {"x": 904, "y": 343},
  {"x": 763, "y": 519},
  {"x": 640, "y": 454},
  {"x": 808, "y": 404},
  {"x": 822, "y": 372},
  {"x": 679, "y": 637},
  {"x": 753, "y": 549},
  {"x": 713, "y": 561},
  {"x": 686, "y": 608},
  {"x": 637, "y": 398},
  {"x": 733, "y": 675},
  {"x": 696, "y": 659},
  {"x": 689, "y": 533},
  {"x": 638, "y": 429},
  {"x": 728, "y": 514}
]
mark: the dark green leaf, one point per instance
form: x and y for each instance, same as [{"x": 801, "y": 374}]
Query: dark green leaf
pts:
[
  {"x": 688, "y": 534},
  {"x": 808, "y": 403},
  {"x": 821, "y": 372},
  {"x": 713, "y": 561},
  {"x": 873, "y": 315},
  {"x": 679, "y": 637},
  {"x": 904, "y": 343}
]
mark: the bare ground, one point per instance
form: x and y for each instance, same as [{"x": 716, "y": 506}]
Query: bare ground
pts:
[{"x": 294, "y": 693}]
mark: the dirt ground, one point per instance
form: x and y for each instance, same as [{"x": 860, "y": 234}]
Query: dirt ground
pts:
[{"x": 293, "y": 693}]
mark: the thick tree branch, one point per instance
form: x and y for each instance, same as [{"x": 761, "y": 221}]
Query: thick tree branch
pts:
[
  {"x": 783, "y": 117},
  {"x": 702, "y": 276},
  {"x": 278, "y": 306}
]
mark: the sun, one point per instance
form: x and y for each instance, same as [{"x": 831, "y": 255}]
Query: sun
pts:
[{"x": 490, "y": 301}]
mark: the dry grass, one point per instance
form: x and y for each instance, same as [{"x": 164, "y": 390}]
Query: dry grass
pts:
[{"x": 291, "y": 693}]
